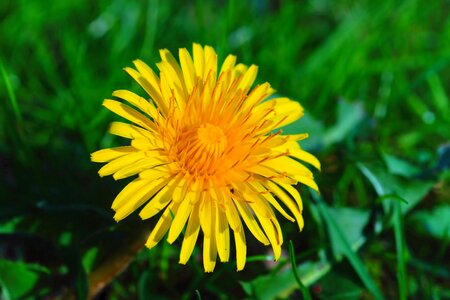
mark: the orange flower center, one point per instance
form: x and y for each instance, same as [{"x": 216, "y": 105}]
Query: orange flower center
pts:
[
  {"x": 212, "y": 138},
  {"x": 201, "y": 149}
]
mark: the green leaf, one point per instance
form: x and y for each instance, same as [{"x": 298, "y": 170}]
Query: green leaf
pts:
[
  {"x": 399, "y": 166},
  {"x": 89, "y": 259},
  {"x": 412, "y": 192},
  {"x": 434, "y": 222},
  {"x": 343, "y": 244},
  {"x": 282, "y": 284},
  {"x": 349, "y": 115},
  {"x": 352, "y": 222},
  {"x": 384, "y": 183},
  {"x": 8, "y": 227},
  {"x": 339, "y": 284},
  {"x": 19, "y": 278},
  {"x": 312, "y": 126}
]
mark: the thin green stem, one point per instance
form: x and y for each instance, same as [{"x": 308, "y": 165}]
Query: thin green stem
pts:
[
  {"x": 401, "y": 251},
  {"x": 305, "y": 292}
]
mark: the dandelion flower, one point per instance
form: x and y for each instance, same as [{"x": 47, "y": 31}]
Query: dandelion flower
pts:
[{"x": 208, "y": 155}]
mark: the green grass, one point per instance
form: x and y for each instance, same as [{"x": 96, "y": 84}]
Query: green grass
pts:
[
  {"x": 373, "y": 78},
  {"x": 304, "y": 290}
]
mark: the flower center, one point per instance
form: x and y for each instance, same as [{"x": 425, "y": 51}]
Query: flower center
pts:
[
  {"x": 201, "y": 149},
  {"x": 212, "y": 138}
]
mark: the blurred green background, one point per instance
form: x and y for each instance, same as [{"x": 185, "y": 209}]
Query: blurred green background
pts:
[{"x": 373, "y": 77}]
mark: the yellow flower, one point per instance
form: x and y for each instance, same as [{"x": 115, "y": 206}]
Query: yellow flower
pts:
[{"x": 207, "y": 154}]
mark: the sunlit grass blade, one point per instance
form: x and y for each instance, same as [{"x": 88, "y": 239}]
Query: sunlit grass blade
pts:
[
  {"x": 440, "y": 98},
  {"x": 4, "y": 293},
  {"x": 254, "y": 258},
  {"x": 401, "y": 251},
  {"x": 11, "y": 95},
  {"x": 305, "y": 292},
  {"x": 151, "y": 26},
  {"x": 353, "y": 258},
  {"x": 16, "y": 134}
]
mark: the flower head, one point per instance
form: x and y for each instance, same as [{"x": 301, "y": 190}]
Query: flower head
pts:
[{"x": 208, "y": 155}]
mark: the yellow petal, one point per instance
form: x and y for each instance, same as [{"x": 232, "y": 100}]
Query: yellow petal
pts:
[
  {"x": 179, "y": 193},
  {"x": 137, "y": 101},
  {"x": 250, "y": 221},
  {"x": 239, "y": 70},
  {"x": 259, "y": 205},
  {"x": 129, "y": 113},
  {"x": 287, "y": 201},
  {"x": 269, "y": 173},
  {"x": 206, "y": 215},
  {"x": 283, "y": 110},
  {"x": 304, "y": 156},
  {"x": 209, "y": 245},
  {"x": 127, "y": 191},
  {"x": 248, "y": 78},
  {"x": 273, "y": 233},
  {"x": 296, "y": 137},
  {"x": 162, "y": 226},
  {"x": 167, "y": 56},
  {"x": 150, "y": 86},
  {"x": 160, "y": 200},
  {"x": 155, "y": 173},
  {"x": 128, "y": 131},
  {"x": 147, "y": 73},
  {"x": 285, "y": 164},
  {"x": 265, "y": 193},
  {"x": 233, "y": 216},
  {"x": 187, "y": 65},
  {"x": 286, "y": 110},
  {"x": 138, "y": 198},
  {"x": 211, "y": 64},
  {"x": 166, "y": 89},
  {"x": 275, "y": 141},
  {"x": 146, "y": 143},
  {"x": 228, "y": 63},
  {"x": 106, "y": 155},
  {"x": 137, "y": 167},
  {"x": 292, "y": 191},
  {"x": 190, "y": 236},
  {"x": 308, "y": 181},
  {"x": 180, "y": 219},
  {"x": 258, "y": 94},
  {"x": 222, "y": 235},
  {"x": 119, "y": 163},
  {"x": 241, "y": 249},
  {"x": 172, "y": 83},
  {"x": 199, "y": 60}
]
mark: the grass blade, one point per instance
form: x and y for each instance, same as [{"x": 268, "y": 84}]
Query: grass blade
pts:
[
  {"x": 353, "y": 258},
  {"x": 197, "y": 293},
  {"x": 11, "y": 96},
  {"x": 18, "y": 139},
  {"x": 401, "y": 251},
  {"x": 304, "y": 290}
]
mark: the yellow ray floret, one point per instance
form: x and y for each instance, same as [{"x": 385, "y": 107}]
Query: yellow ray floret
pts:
[{"x": 207, "y": 155}]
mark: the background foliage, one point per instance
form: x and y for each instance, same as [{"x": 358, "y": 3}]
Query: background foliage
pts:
[{"x": 373, "y": 77}]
